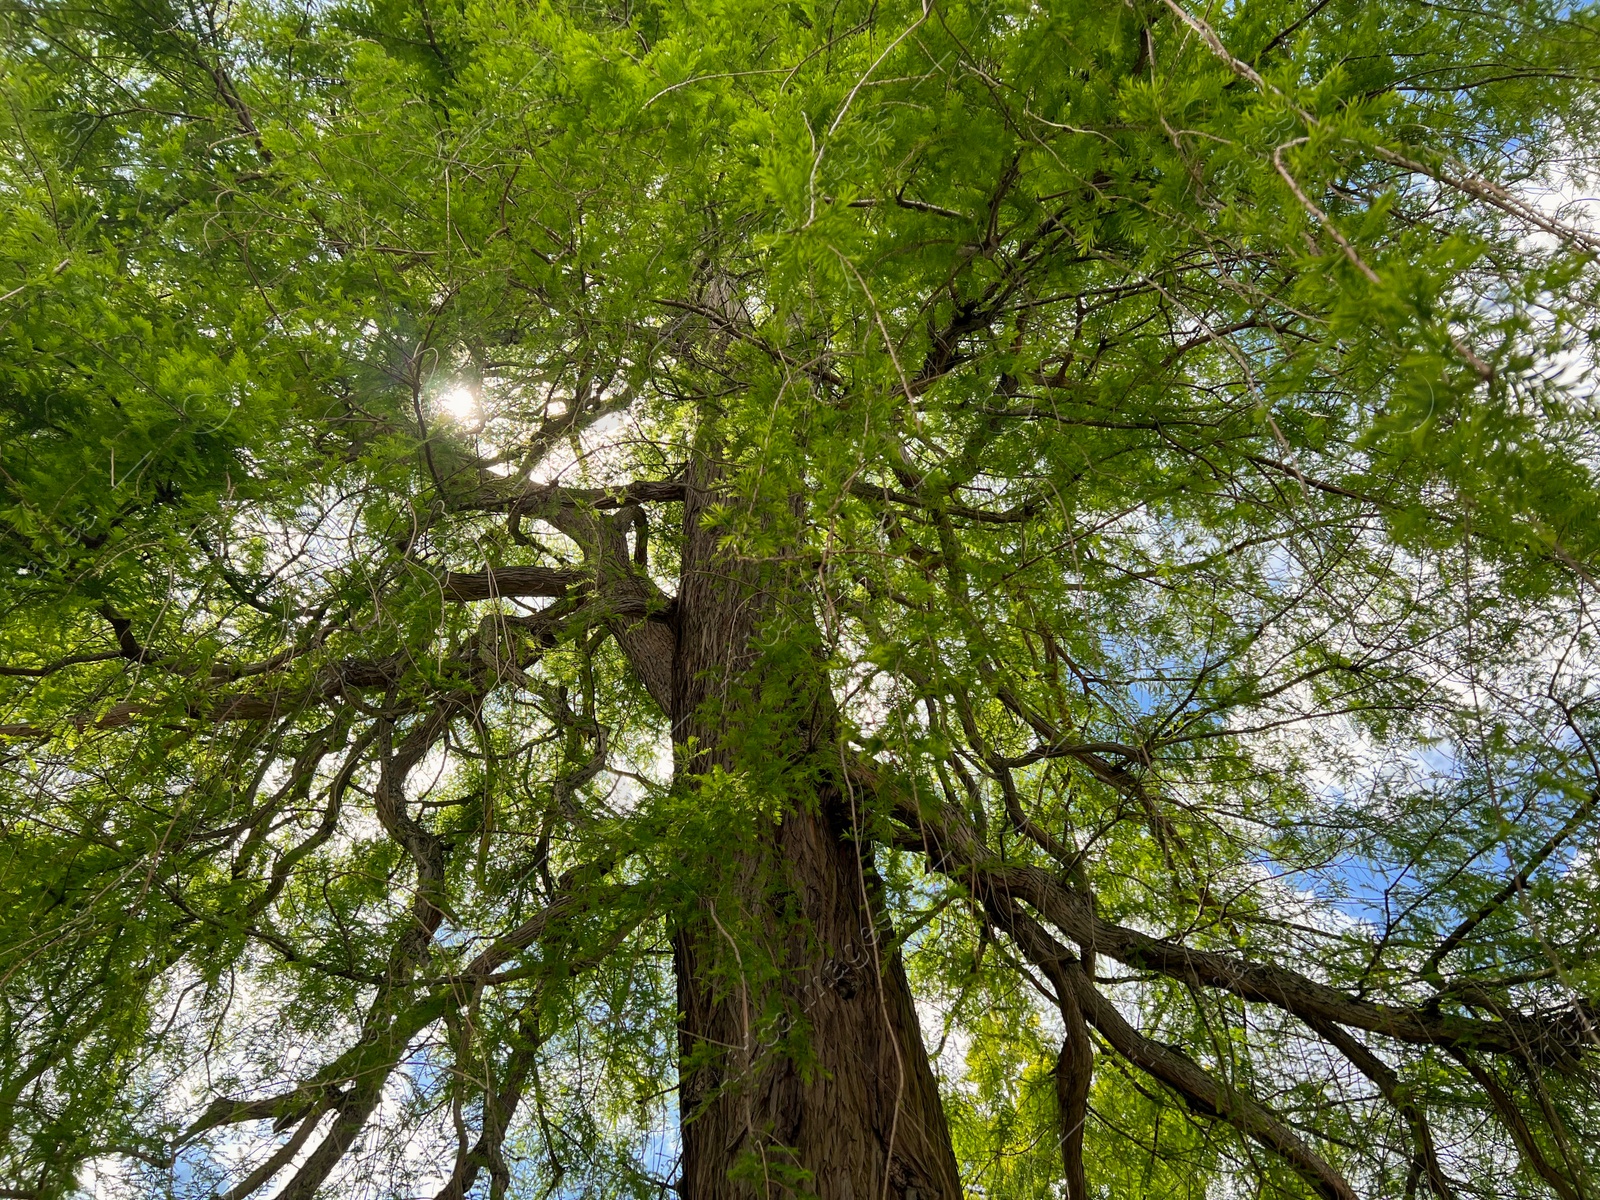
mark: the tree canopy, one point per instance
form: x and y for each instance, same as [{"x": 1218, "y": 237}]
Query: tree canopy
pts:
[{"x": 963, "y": 597}]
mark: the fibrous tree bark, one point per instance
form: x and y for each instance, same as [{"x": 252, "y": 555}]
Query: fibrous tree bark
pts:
[{"x": 804, "y": 1069}]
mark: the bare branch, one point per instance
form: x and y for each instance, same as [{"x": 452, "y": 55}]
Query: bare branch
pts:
[
  {"x": 1203, "y": 1092},
  {"x": 953, "y": 848},
  {"x": 509, "y": 581}
]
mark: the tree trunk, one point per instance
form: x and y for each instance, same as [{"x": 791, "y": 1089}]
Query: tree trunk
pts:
[{"x": 804, "y": 1070}]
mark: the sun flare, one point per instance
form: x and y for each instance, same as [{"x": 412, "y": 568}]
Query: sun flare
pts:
[{"x": 460, "y": 405}]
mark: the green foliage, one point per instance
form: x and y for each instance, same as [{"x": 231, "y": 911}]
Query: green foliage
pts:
[{"x": 1169, "y": 446}]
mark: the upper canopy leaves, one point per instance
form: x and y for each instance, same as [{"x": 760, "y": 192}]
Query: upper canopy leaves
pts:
[{"x": 1181, "y": 424}]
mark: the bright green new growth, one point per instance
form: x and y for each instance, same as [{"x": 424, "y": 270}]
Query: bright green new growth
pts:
[{"x": 1158, "y": 448}]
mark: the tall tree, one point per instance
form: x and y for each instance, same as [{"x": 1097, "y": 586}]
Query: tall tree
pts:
[{"x": 879, "y": 600}]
